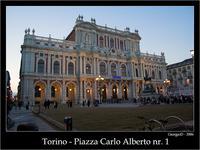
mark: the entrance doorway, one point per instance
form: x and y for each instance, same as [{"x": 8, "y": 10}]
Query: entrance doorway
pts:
[
  {"x": 103, "y": 93},
  {"x": 114, "y": 92},
  {"x": 88, "y": 94},
  {"x": 55, "y": 92},
  {"x": 71, "y": 92},
  {"x": 124, "y": 93},
  {"x": 39, "y": 92}
]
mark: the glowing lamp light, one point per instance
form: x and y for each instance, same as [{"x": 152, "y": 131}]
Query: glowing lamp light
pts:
[
  {"x": 70, "y": 90},
  {"x": 39, "y": 89},
  {"x": 188, "y": 81},
  {"x": 55, "y": 89}
]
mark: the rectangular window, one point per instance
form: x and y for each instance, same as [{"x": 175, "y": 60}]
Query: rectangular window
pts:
[
  {"x": 108, "y": 41},
  {"x": 97, "y": 39},
  {"x": 105, "y": 40},
  {"x": 115, "y": 43},
  {"x": 118, "y": 43},
  {"x": 83, "y": 89}
]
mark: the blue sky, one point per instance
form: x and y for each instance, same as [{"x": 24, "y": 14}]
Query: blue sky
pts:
[{"x": 168, "y": 29}]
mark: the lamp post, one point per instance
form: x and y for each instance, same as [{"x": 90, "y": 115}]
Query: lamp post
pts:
[
  {"x": 166, "y": 83},
  {"x": 99, "y": 78}
]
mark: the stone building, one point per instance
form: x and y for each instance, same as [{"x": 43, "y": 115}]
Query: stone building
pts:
[
  {"x": 69, "y": 69},
  {"x": 181, "y": 77}
]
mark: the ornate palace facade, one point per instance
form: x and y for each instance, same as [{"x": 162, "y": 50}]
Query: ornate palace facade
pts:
[{"x": 68, "y": 69}]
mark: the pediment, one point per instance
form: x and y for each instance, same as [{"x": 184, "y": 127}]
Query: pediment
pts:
[{"x": 87, "y": 25}]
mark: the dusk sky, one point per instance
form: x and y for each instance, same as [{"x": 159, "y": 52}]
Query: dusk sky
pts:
[{"x": 168, "y": 29}]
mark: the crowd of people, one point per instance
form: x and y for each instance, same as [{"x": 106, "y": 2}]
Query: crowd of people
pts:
[
  {"x": 86, "y": 103},
  {"x": 154, "y": 100},
  {"x": 138, "y": 100},
  {"x": 47, "y": 104},
  {"x": 166, "y": 99}
]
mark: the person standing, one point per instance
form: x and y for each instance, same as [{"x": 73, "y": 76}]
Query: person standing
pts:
[
  {"x": 88, "y": 103},
  {"x": 48, "y": 103},
  {"x": 55, "y": 105}
]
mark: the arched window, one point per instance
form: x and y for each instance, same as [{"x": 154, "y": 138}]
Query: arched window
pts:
[
  {"x": 136, "y": 72},
  {"x": 88, "y": 69},
  {"x": 153, "y": 74},
  {"x": 38, "y": 91},
  {"x": 113, "y": 69},
  {"x": 56, "y": 67},
  {"x": 40, "y": 66},
  {"x": 121, "y": 45},
  {"x": 102, "y": 68},
  {"x": 111, "y": 43},
  {"x": 146, "y": 73},
  {"x": 160, "y": 75},
  {"x": 101, "y": 41},
  {"x": 123, "y": 70},
  {"x": 70, "y": 68}
]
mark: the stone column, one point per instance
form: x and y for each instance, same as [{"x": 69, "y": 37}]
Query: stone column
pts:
[
  {"x": 30, "y": 93},
  {"x": 120, "y": 90},
  {"x": 63, "y": 93},
  {"x": 98, "y": 66},
  {"x": 84, "y": 65},
  {"x": 95, "y": 90},
  {"x": 109, "y": 69},
  {"x": 130, "y": 93},
  {"x": 81, "y": 68},
  {"x": 133, "y": 89},
  {"x": 63, "y": 70},
  {"x": 48, "y": 90},
  {"x": 93, "y": 66},
  {"x": 79, "y": 94},
  {"x": 84, "y": 89},
  {"x": 109, "y": 93}
]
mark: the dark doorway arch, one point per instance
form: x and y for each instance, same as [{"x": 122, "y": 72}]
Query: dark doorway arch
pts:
[{"x": 114, "y": 92}]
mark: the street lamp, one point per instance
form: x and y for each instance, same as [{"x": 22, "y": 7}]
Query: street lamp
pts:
[
  {"x": 99, "y": 78},
  {"x": 166, "y": 83}
]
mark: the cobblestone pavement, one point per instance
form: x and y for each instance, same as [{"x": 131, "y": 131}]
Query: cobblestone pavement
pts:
[{"x": 26, "y": 116}]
